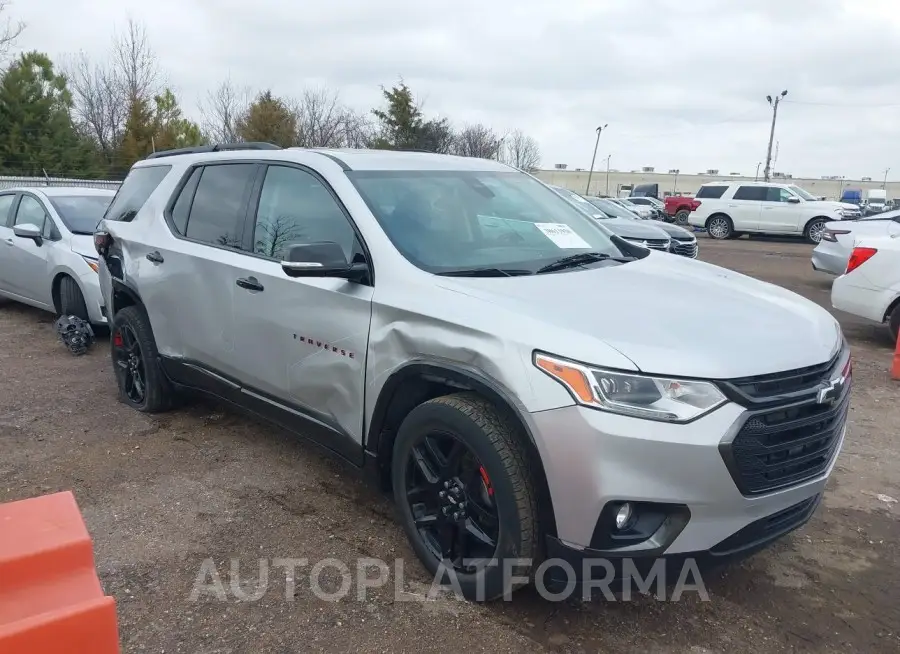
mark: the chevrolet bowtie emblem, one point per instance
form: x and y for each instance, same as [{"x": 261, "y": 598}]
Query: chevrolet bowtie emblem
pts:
[{"x": 830, "y": 391}]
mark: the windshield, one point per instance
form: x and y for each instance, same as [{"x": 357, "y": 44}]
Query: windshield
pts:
[
  {"x": 611, "y": 208},
  {"x": 449, "y": 221},
  {"x": 803, "y": 194},
  {"x": 81, "y": 213}
]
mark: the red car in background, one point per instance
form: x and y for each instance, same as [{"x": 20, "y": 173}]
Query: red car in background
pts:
[{"x": 680, "y": 207}]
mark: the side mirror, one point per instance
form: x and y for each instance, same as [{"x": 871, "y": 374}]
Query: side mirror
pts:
[
  {"x": 322, "y": 259},
  {"x": 27, "y": 230},
  {"x": 794, "y": 200}
]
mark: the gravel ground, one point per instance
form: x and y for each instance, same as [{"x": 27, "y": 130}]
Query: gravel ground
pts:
[{"x": 162, "y": 495}]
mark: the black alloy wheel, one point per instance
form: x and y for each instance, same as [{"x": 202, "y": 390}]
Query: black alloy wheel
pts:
[
  {"x": 451, "y": 500},
  {"x": 129, "y": 362}
]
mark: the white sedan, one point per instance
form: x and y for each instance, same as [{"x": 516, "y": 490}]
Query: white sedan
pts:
[
  {"x": 870, "y": 288},
  {"x": 833, "y": 251}
]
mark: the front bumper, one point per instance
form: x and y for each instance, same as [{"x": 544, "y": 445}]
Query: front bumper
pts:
[
  {"x": 93, "y": 298},
  {"x": 593, "y": 458}
]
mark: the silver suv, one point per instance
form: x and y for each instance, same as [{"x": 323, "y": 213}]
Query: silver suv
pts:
[{"x": 531, "y": 388}]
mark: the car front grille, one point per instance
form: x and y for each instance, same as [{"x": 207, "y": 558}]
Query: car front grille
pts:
[
  {"x": 685, "y": 248},
  {"x": 788, "y": 436},
  {"x": 653, "y": 244}
]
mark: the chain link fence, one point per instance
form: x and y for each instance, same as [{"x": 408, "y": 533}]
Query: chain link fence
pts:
[{"x": 12, "y": 182}]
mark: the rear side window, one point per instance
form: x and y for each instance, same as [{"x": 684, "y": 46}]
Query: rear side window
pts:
[
  {"x": 5, "y": 205},
  {"x": 134, "y": 191},
  {"x": 220, "y": 204},
  {"x": 182, "y": 206},
  {"x": 713, "y": 192},
  {"x": 757, "y": 193}
]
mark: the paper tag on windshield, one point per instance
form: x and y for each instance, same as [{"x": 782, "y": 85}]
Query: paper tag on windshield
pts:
[{"x": 563, "y": 236}]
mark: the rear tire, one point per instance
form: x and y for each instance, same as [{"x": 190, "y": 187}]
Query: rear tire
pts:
[
  {"x": 131, "y": 336},
  {"x": 814, "y": 230},
  {"x": 682, "y": 216},
  {"x": 71, "y": 300},
  {"x": 488, "y": 439},
  {"x": 719, "y": 227},
  {"x": 894, "y": 323}
]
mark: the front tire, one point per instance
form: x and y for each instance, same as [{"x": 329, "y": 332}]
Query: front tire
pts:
[
  {"x": 142, "y": 384},
  {"x": 460, "y": 450},
  {"x": 71, "y": 300},
  {"x": 814, "y": 230},
  {"x": 720, "y": 227}
]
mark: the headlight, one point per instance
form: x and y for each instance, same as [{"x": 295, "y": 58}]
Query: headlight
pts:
[
  {"x": 639, "y": 396},
  {"x": 92, "y": 263}
]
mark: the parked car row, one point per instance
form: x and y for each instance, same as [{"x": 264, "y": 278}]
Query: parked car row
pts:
[
  {"x": 481, "y": 345},
  {"x": 617, "y": 218},
  {"x": 865, "y": 255}
]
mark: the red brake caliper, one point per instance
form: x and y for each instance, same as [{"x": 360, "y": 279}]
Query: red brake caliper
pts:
[
  {"x": 486, "y": 480},
  {"x": 117, "y": 339}
]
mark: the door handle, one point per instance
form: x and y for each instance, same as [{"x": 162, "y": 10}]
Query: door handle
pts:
[
  {"x": 250, "y": 283},
  {"x": 155, "y": 257},
  {"x": 9, "y": 241}
]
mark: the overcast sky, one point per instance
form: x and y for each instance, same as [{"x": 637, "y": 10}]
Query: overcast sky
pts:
[{"x": 681, "y": 83}]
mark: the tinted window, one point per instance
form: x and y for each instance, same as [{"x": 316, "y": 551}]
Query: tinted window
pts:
[
  {"x": 295, "y": 207},
  {"x": 81, "y": 213},
  {"x": 711, "y": 191},
  {"x": 757, "y": 193},
  {"x": 183, "y": 204},
  {"x": 217, "y": 213},
  {"x": 5, "y": 205},
  {"x": 134, "y": 191},
  {"x": 30, "y": 211},
  {"x": 776, "y": 194}
]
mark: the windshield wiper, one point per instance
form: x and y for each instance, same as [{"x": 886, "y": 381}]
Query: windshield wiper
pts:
[
  {"x": 484, "y": 272},
  {"x": 573, "y": 260}
]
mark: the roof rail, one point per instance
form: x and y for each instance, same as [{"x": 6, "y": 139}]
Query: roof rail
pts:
[{"x": 218, "y": 147}]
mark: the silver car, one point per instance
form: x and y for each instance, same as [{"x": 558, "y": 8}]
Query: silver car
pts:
[
  {"x": 838, "y": 238},
  {"x": 544, "y": 400},
  {"x": 47, "y": 254}
]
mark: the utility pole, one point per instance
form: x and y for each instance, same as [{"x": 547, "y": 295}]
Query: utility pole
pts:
[
  {"x": 675, "y": 185},
  {"x": 593, "y": 159},
  {"x": 756, "y": 177},
  {"x": 884, "y": 186},
  {"x": 607, "y": 174},
  {"x": 774, "y": 104}
]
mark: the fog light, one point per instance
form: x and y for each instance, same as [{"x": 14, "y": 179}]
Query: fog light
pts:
[{"x": 623, "y": 516}]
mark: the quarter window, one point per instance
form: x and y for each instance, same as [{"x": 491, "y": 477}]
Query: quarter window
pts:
[
  {"x": 713, "y": 192},
  {"x": 219, "y": 206},
  {"x": 6, "y": 202},
  {"x": 134, "y": 192},
  {"x": 295, "y": 207}
]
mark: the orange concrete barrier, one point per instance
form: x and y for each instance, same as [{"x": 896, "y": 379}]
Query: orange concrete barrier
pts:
[
  {"x": 895, "y": 368},
  {"x": 50, "y": 597}
]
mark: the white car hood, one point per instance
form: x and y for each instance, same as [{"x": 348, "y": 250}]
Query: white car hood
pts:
[
  {"x": 84, "y": 245},
  {"x": 669, "y": 315}
]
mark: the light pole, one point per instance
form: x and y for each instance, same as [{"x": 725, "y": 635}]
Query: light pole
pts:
[
  {"x": 887, "y": 170},
  {"x": 593, "y": 159},
  {"x": 607, "y": 174},
  {"x": 756, "y": 177},
  {"x": 774, "y": 104},
  {"x": 675, "y": 185}
]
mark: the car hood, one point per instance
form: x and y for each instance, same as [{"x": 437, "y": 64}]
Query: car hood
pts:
[
  {"x": 675, "y": 231},
  {"x": 628, "y": 228},
  {"x": 83, "y": 244},
  {"x": 668, "y": 315}
]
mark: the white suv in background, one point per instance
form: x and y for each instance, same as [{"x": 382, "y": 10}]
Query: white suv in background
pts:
[{"x": 730, "y": 209}]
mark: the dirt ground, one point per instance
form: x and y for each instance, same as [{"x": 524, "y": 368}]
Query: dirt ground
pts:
[{"x": 161, "y": 495}]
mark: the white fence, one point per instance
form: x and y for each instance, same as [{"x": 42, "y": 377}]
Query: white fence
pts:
[{"x": 11, "y": 182}]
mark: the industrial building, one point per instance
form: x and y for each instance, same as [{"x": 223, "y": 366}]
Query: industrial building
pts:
[{"x": 617, "y": 182}]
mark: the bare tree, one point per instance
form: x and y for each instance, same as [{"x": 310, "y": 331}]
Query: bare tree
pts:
[
  {"x": 323, "y": 121},
  {"x": 9, "y": 31},
  {"x": 221, "y": 110},
  {"x": 477, "y": 141},
  {"x": 521, "y": 151},
  {"x": 104, "y": 91}
]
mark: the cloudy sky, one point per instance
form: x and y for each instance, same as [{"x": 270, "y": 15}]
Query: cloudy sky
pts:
[{"x": 681, "y": 83}]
